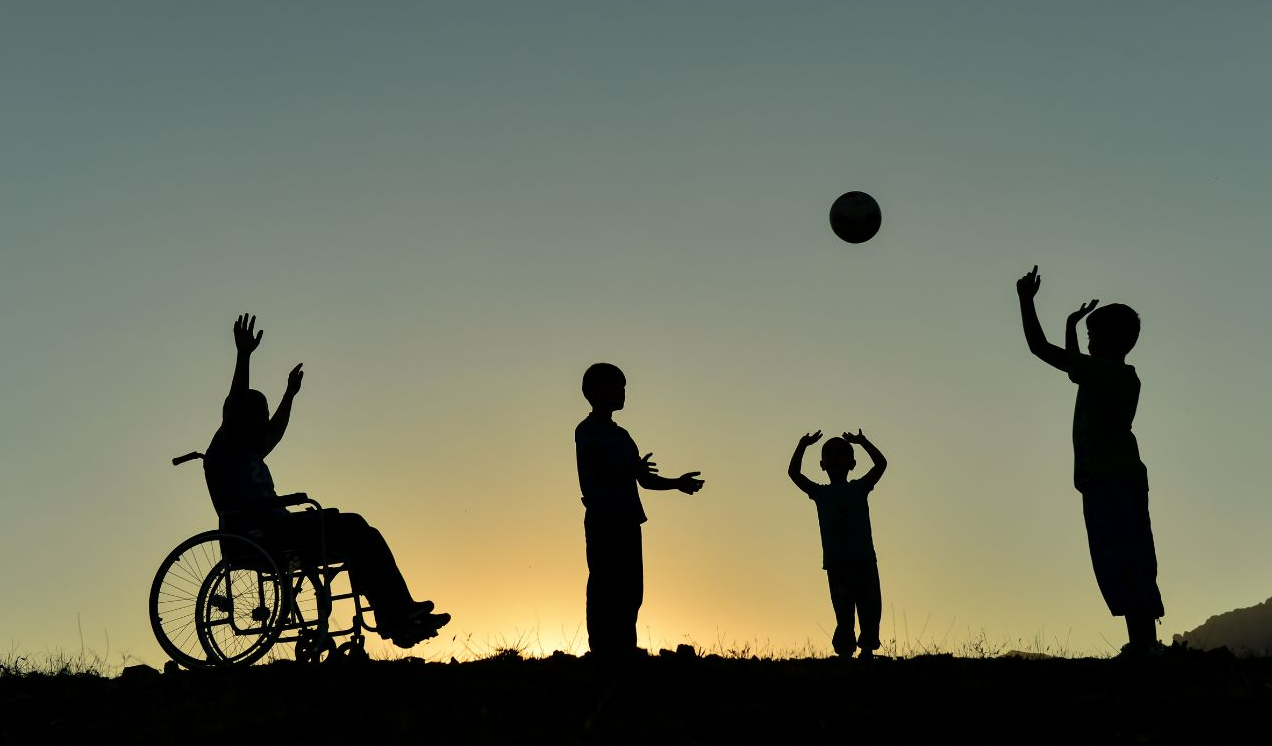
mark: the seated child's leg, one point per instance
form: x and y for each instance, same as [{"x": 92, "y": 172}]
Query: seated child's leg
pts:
[
  {"x": 869, "y": 603},
  {"x": 372, "y": 568},
  {"x": 844, "y": 641}
]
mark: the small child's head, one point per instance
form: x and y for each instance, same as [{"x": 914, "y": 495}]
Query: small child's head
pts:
[
  {"x": 245, "y": 414},
  {"x": 837, "y": 457},
  {"x": 604, "y": 387},
  {"x": 1112, "y": 330}
]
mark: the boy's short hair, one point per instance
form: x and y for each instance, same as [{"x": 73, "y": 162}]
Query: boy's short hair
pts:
[
  {"x": 834, "y": 446},
  {"x": 597, "y": 375},
  {"x": 1116, "y": 326},
  {"x": 241, "y": 407}
]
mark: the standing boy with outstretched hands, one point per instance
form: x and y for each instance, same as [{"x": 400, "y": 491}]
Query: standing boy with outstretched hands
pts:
[
  {"x": 848, "y": 554},
  {"x": 1107, "y": 469},
  {"x": 610, "y": 469}
]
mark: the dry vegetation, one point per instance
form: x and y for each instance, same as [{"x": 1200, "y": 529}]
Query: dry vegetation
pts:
[{"x": 736, "y": 694}]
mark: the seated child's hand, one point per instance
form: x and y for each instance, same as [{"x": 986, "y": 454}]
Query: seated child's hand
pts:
[{"x": 809, "y": 439}]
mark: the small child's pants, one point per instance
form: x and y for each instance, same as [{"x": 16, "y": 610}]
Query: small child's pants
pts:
[{"x": 855, "y": 587}]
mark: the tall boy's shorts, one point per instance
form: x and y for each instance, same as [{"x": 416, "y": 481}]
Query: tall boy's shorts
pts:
[{"x": 1122, "y": 553}]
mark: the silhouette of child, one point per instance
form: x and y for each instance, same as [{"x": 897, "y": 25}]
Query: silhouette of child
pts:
[
  {"x": 242, "y": 491},
  {"x": 610, "y": 468},
  {"x": 1107, "y": 469},
  {"x": 848, "y": 555}
]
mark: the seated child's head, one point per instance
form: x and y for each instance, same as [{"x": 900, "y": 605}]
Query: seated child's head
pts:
[
  {"x": 837, "y": 457},
  {"x": 245, "y": 414},
  {"x": 604, "y": 386},
  {"x": 1112, "y": 330}
]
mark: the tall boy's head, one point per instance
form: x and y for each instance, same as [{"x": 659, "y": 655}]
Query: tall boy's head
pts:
[
  {"x": 245, "y": 414},
  {"x": 837, "y": 457},
  {"x": 1112, "y": 330},
  {"x": 605, "y": 387}
]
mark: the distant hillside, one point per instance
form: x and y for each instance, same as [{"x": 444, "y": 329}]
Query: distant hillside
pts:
[{"x": 1243, "y": 631}]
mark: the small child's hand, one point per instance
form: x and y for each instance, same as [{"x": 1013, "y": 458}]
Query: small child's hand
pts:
[
  {"x": 855, "y": 439},
  {"x": 809, "y": 439},
  {"x": 293, "y": 380},
  {"x": 1082, "y": 311},
  {"x": 645, "y": 466},
  {"x": 689, "y": 483},
  {"x": 1027, "y": 286}
]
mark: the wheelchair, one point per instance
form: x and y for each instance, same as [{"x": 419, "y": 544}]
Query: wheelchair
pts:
[{"x": 221, "y": 599}]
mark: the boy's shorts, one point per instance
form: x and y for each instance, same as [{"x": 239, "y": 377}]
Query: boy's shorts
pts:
[{"x": 1122, "y": 554}]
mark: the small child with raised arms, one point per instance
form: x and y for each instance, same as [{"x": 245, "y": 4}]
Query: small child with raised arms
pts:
[{"x": 848, "y": 555}]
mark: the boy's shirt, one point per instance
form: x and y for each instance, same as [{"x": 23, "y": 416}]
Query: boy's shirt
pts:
[
  {"x": 1104, "y": 448},
  {"x": 238, "y": 479},
  {"x": 607, "y": 459},
  {"x": 844, "y": 516}
]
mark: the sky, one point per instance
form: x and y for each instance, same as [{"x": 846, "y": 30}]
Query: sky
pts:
[{"x": 448, "y": 210}]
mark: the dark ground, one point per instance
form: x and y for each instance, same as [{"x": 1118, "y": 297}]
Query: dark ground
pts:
[{"x": 1180, "y": 698}]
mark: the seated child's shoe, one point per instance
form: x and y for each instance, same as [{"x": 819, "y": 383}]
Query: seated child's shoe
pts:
[
  {"x": 865, "y": 655},
  {"x": 415, "y": 626}
]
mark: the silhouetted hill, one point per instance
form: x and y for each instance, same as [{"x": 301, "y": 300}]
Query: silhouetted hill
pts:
[
  {"x": 1181, "y": 697},
  {"x": 1243, "y": 631}
]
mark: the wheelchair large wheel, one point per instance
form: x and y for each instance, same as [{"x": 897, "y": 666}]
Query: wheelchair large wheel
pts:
[{"x": 218, "y": 600}]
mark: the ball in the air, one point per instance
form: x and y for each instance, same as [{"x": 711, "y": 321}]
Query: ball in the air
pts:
[{"x": 855, "y": 217}]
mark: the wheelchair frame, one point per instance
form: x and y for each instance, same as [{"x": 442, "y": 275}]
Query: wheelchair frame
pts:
[{"x": 221, "y": 599}]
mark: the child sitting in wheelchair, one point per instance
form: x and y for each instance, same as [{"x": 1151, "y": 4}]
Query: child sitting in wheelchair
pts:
[{"x": 243, "y": 493}]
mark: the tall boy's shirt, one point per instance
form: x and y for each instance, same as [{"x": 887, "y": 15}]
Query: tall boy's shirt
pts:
[
  {"x": 1104, "y": 448},
  {"x": 844, "y": 516},
  {"x": 607, "y": 460}
]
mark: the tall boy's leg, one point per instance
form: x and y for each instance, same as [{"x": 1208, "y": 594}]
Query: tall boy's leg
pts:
[
  {"x": 869, "y": 604},
  {"x": 844, "y": 641}
]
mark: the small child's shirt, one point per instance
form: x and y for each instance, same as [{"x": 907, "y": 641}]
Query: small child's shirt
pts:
[
  {"x": 844, "y": 516},
  {"x": 607, "y": 460},
  {"x": 1104, "y": 448}
]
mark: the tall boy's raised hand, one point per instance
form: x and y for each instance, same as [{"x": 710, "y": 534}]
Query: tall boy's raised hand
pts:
[
  {"x": 1027, "y": 286},
  {"x": 1082, "y": 311},
  {"x": 244, "y": 341}
]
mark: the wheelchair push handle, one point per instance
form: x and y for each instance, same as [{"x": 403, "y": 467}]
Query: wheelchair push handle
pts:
[
  {"x": 298, "y": 498},
  {"x": 191, "y": 456}
]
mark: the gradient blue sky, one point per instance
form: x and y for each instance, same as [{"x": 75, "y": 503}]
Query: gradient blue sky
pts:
[{"x": 448, "y": 210}]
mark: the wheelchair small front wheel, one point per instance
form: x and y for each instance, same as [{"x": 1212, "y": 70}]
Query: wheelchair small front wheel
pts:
[{"x": 218, "y": 600}]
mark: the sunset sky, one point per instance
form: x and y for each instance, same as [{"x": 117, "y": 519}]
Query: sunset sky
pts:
[{"x": 447, "y": 211}]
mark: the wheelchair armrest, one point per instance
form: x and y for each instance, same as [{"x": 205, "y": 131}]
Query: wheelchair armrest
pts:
[{"x": 298, "y": 498}]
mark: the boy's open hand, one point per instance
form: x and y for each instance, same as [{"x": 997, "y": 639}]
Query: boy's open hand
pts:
[
  {"x": 1027, "y": 286},
  {"x": 645, "y": 466},
  {"x": 689, "y": 483},
  {"x": 1082, "y": 311},
  {"x": 293, "y": 380},
  {"x": 855, "y": 439},
  {"x": 809, "y": 438},
  {"x": 243, "y": 339}
]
